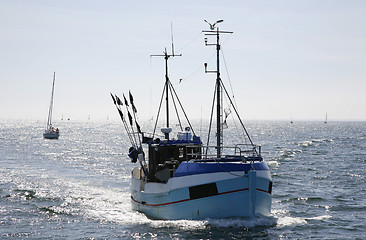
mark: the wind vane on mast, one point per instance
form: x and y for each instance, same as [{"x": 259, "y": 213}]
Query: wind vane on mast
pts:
[
  {"x": 219, "y": 117},
  {"x": 212, "y": 26}
]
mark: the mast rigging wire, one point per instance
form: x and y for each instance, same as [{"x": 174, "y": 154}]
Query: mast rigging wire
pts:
[
  {"x": 211, "y": 117},
  {"x": 175, "y": 106},
  {"x": 237, "y": 114},
  {"x": 157, "y": 116},
  {"x": 181, "y": 106},
  {"x": 188, "y": 44}
]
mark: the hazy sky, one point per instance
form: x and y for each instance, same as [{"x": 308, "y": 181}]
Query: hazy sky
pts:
[{"x": 301, "y": 58}]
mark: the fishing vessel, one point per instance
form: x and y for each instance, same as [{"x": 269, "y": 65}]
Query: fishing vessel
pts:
[
  {"x": 179, "y": 177},
  {"x": 50, "y": 131}
]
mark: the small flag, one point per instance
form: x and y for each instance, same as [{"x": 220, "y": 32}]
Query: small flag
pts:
[
  {"x": 131, "y": 98},
  {"x": 120, "y": 113},
  {"x": 114, "y": 100},
  {"x": 126, "y": 103},
  {"x": 138, "y": 127},
  {"x": 134, "y": 108},
  {"x": 129, "y": 117},
  {"x": 132, "y": 104},
  {"x": 119, "y": 102}
]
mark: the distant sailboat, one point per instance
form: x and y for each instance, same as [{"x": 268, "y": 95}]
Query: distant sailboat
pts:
[
  {"x": 291, "y": 119},
  {"x": 326, "y": 118},
  {"x": 51, "y": 132}
]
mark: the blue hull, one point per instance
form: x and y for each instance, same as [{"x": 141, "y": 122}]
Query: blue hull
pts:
[
  {"x": 51, "y": 135},
  {"x": 233, "y": 194}
]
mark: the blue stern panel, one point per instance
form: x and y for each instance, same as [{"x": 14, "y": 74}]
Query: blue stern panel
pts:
[{"x": 193, "y": 168}]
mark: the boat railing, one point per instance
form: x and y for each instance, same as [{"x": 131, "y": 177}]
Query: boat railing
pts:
[
  {"x": 239, "y": 151},
  {"x": 243, "y": 148},
  {"x": 149, "y": 137}
]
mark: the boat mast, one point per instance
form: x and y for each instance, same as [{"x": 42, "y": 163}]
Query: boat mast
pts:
[
  {"x": 219, "y": 130},
  {"x": 49, "y": 121},
  {"x": 166, "y": 88},
  {"x": 167, "y": 81}
]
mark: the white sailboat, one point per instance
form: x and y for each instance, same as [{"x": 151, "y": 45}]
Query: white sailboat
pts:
[
  {"x": 50, "y": 131},
  {"x": 180, "y": 178},
  {"x": 326, "y": 118},
  {"x": 291, "y": 119}
]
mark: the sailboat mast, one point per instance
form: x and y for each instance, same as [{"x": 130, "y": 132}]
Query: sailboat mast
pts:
[
  {"x": 49, "y": 121},
  {"x": 326, "y": 118}
]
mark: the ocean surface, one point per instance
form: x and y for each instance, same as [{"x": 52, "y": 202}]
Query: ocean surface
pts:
[{"x": 77, "y": 187}]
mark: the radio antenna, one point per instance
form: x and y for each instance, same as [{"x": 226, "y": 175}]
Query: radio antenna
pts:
[
  {"x": 166, "y": 56},
  {"x": 171, "y": 31}
]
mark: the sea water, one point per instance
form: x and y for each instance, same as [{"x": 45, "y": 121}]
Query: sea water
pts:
[{"x": 77, "y": 187}]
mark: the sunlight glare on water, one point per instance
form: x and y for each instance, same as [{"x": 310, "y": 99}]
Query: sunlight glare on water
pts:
[{"x": 78, "y": 186}]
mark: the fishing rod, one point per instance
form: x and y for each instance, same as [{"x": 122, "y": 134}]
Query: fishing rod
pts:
[
  {"x": 117, "y": 102},
  {"x": 139, "y": 151},
  {"x": 130, "y": 119},
  {"x": 134, "y": 111},
  {"x": 134, "y": 151}
]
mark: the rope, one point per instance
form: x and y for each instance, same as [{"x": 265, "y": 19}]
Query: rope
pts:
[
  {"x": 188, "y": 44},
  {"x": 180, "y": 104},
  {"x": 242, "y": 124},
  {"x": 157, "y": 117},
  {"x": 232, "y": 90}
]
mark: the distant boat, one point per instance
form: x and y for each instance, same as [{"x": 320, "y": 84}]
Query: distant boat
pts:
[
  {"x": 291, "y": 119},
  {"x": 326, "y": 118},
  {"x": 51, "y": 132}
]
